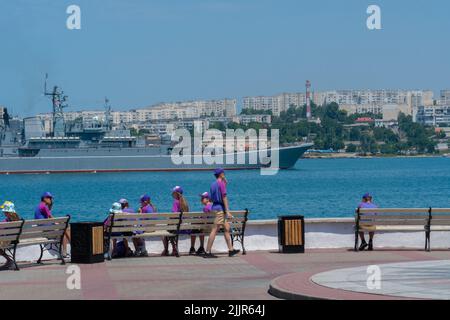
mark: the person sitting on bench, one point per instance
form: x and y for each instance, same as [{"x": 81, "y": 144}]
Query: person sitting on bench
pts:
[
  {"x": 9, "y": 211},
  {"x": 366, "y": 204}
]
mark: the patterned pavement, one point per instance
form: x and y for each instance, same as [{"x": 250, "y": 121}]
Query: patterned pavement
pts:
[{"x": 186, "y": 278}]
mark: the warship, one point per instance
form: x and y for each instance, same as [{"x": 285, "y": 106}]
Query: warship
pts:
[{"x": 95, "y": 146}]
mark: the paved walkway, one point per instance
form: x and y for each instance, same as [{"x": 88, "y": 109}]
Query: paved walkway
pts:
[
  {"x": 242, "y": 277},
  {"x": 418, "y": 280}
]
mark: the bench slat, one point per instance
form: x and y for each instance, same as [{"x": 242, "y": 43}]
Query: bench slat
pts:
[
  {"x": 145, "y": 229},
  {"x": 8, "y": 238},
  {"x": 441, "y": 210},
  {"x": 132, "y": 223},
  {"x": 6, "y": 232},
  {"x": 52, "y": 234},
  {"x": 395, "y": 210},
  {"x": 393, "y": 217},
  {"x": 393, "y": 228},
  {"x": 7, "y": 225},
  {"x": 54, "y": 227},
  {"x": 131, "y": 216},
  {"x": 40, "y": 222},
  {"x": 394, "y": 223}
]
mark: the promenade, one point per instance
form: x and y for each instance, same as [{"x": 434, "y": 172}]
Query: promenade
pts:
[{"x": 241, "y": 277}]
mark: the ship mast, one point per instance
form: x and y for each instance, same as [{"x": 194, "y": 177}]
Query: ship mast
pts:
[
  {"x": 59, "y": 103},
  {"x": 108, "y": 118}
]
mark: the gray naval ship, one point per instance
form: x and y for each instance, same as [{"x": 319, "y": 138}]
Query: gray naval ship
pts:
[{"x": 95, "y": 146}]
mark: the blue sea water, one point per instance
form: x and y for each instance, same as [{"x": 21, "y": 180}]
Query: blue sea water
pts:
[{"x": 316, "y": 188}]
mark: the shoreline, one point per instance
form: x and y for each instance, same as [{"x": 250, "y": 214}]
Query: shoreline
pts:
[{"x": 357, "y": 156}]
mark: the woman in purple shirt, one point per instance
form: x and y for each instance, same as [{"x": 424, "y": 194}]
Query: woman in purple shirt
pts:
[
  {"x": 146, "y": 207},
  {"x": 179, "y": 204},
  {"x": 44, "y": 211}
]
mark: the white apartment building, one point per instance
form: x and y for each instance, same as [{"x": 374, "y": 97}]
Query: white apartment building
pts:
[
  {"x": 432, "y": 115},
  {"x": 444, "y": 98},
  {"x": 246, "y": 119},
  {"x": 187, "y": 110}
]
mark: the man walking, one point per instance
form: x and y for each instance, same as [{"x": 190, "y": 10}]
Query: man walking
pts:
[{"x": 221, "y": 208}]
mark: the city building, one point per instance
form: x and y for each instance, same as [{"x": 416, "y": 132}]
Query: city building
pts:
[
  {"x": 347, "y": 100},
  {"x": 246, "y": 119},
  {"x": 444, "y": 98},
  {"x": 438, "y": 115}
]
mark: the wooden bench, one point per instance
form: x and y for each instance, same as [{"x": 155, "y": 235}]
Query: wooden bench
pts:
[
  {"x": 9, "y": 238},
  {"x": 393, "y": 220},
  {"x": 142, "y": 226},
  {"x": 47, "y": 233},
  {"x": 200, "y": 223}
]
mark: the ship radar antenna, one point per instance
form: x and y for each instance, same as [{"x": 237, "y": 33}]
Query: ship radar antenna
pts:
[
  {"x": 108, "y": 118},
  {"x": 59, "y": 103}
]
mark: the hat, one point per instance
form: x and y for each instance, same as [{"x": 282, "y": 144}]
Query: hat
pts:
[
  {"x": 8, "y": 207},
  {"x": 204, "y": 195},
  {"x": 47, "y": 195},
  {"x": 145, "y": 197},
  {"x": 218, "y": 172},
  {"x": 178, "y": 189},
  {"x": 367, "y": 196},
  {"x": 123, "y": 201},
  {"x": 116, "y": 208}
]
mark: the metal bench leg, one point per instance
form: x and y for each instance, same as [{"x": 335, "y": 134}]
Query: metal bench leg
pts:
[
  {"x": 427, "y": 242},
  {"x": 63, "y": 262},
  {"x": 174, "y": 243},
  {"x": 356, "y": 241},
  {"x": 244, "y": 252},
  {"x": 39, "y": 261},
  {"x": 13, "y": 255}
]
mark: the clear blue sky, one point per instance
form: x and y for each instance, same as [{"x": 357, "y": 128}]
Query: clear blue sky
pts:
[{"x": 140, "y": 52}]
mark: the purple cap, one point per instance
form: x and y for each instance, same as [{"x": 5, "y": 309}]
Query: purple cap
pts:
[
  {"x": 47, "y": 195},
  {"x": 178, "y": 189},
  {"x": 367, "y": 196},
  {"x": 218, "y": 172},
  {"x": 123, "y": 201},
  {"x": 145, "y": 197},
  {"x": 204, "y": 195}
]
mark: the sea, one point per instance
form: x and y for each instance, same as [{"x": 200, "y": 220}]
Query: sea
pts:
[{"x": 316, "y": 188}]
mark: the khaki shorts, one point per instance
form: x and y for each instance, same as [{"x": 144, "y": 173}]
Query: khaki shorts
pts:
[{"x": 220, "y": 218}]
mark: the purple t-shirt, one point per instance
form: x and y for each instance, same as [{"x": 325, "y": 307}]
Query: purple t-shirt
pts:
[
  {"x": 367, "y": 205},
  {"x": 146, "y": 209},
  {"x": 207, "y": 208},
  {"x": 42, "y": 212},
  {"x": 176, "y": 206},
  {"x": 217, "y": 193},
  {"x": 128, "y": 210}
]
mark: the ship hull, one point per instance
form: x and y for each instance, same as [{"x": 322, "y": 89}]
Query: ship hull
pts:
[{"x": 103, "y": 162}]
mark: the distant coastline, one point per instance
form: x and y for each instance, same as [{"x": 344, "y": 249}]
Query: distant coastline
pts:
[{"x": 345, "y": 155}]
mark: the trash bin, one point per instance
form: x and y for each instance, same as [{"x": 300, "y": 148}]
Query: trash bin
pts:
[
  {"x": 291, "y": 234},
  {"x": 87, "y": 242}
]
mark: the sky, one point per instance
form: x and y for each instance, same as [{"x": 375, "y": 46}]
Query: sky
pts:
[{"x": 141, "y": 52}]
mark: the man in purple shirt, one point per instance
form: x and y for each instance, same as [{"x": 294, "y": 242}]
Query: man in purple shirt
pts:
[
  {"x": 366, "y": 203},
  {"x": 220, "y": 206},
  {"x": 44, "y": 209}
]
